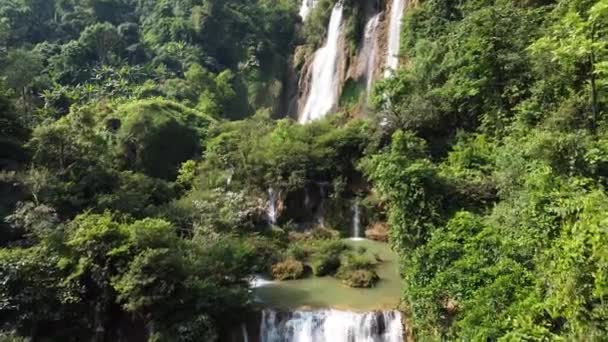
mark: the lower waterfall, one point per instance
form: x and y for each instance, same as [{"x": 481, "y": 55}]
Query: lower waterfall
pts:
[{"x": 331, "y": 326}]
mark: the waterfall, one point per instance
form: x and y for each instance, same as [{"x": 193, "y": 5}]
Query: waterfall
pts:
[
  {"x": 320, "y": 214},
  {"x": 244, "y": 332},
  {"x": 369, "y": 51},
  {"x": 323, "y": 95},
  {"x": 271, "y": 211},
  {"x": 356, "y": 222},
  {"x": 306, "y": 7},
  {"x": 331, "y": 326},
  {"x": 394, "y": 36}
]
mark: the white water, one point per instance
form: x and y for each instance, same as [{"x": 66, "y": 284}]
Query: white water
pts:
[
  {"x": 369, "y": 51},
  {"x": 271, "y": 211},
  {"x": 331, "y": 326},
  {"x": 306, "y": 8},
  {"x": 259, "y": 281},
  {"x": 244, "y": 332},
  {"x": 394, "y": 36},
  {"x": 356, "y": 222},
  {"x": 323, "y": 95}
]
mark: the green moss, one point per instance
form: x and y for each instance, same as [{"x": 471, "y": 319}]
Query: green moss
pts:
[{"x": 351, "y": 93}]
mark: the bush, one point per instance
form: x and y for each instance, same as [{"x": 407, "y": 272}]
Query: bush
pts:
[
  {"x": 358, "y": 271},
  {"x": 360, "y": 278},
  {"x": 325, "y": 264},
  {"x": 321, "y": 233},
  {"x": 297, "y": 252},
  {"x": 288, "y": 269},
  {"x": 11, "y": 337},
  {"x": 334, "y": 247},
  {"x": 358, "y": 262}
]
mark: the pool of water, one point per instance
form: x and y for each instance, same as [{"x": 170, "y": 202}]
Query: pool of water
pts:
[{"x": 329, "y": 292}]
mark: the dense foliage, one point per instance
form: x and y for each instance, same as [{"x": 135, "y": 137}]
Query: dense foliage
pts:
[
  {"x": 104, "y": 107},
  {"x": 141, "y": 142},
  {"x": 495, "y": 177}
]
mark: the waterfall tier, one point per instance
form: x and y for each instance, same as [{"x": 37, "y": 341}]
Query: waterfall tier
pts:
[
  {"x": 331, "y": 326},
  {"x": 369, "y": 50},
  {"x": 394, "y": 35},
  {"x": 323, "y": 95},
  {"x": 306, "y": 7},
  {"x": 271, "y": 210}
]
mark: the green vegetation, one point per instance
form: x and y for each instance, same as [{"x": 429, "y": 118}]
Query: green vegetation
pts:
[
  {"x": 495, "y": 176},
  {"x": 357, "y": 270},
  {"x": 140, "y": 142}
]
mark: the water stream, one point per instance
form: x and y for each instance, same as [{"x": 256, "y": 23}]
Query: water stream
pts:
[
  {"x": 394, "y": 36},
  {"x": 323, "y": 95}
]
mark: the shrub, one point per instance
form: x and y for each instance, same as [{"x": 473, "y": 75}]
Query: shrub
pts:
[
  {"x": 358, "y": 262},
  {"x": 358, "y": 271},
  {"x": 288, "y": 269},
  {"x": 334, "y": 247},
  {"x": 320, "y": 233},
  {"x": 297, "y": 252},
  {"x": 325, "y": 264},
  {"x": 360, "y": 278}
]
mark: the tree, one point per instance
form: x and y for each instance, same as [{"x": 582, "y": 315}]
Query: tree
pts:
[
  {"x": 575, "y": 46},
  {"x": 21, "y": 68}
]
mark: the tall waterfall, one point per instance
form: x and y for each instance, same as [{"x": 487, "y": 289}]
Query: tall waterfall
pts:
[
  {"x": 369, "y": 51},
  {"x": 306, "y": 7},
  {"x": 394, "y": 36},
  {"x": 331, "y": 326},
  {"x": 323, "y": 95},
  {"x": 271, "y": 210}
]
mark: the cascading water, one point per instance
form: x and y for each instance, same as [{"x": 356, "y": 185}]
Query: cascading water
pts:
[
  {"x": 320, "y": 214},
  {"x": 271, "y": 211},
  {"x": 244, "y": 333},
  {"x": 306, "y": 8},
  {"x": 394, "y": 36},
  {"x": 323, "y": 94},
  {"x": 369, "y": 51},
  {"x": 356, "y": 222},
  {"x": 331, "y": 326}
]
